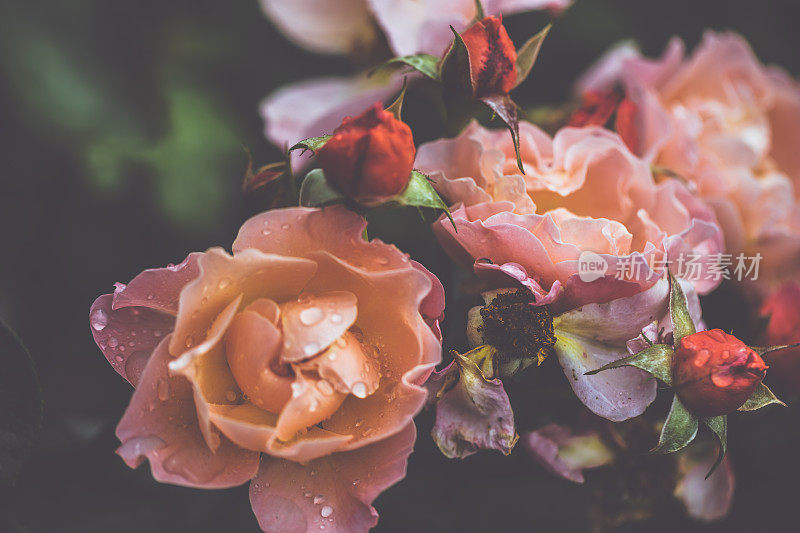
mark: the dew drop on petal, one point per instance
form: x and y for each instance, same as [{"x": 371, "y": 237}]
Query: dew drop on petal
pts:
[
  {"x": 325, "y": 387},
  {"x": 326, "y": 511},
  {"x": 336, "y": 318},
  {"x": 189, "y": 341},
  {"x": 99, "y": 319},
  {"x": 113, "y": 342},
  {"x": 311, "y": 349},
  {"x": 318, "y": 500},
  {"x": 230, "y": 396},
  {"x": 223, "y": 283},
  {"x": 311, "y": 316},
  {"x": 360, "y": 390},
  {"x": 163, "y": 390}
]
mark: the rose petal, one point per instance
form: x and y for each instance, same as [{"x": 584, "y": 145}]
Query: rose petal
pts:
[
  {"x": 223, "y": 277},
  {"x": 346, "y": 367},
  {"x": 565, "y": 454},
  {"x": 706, "y": 499},
  {"x": 160, "y": 424},
  {"x": 158, "y": 288},
  {"x": 314, "y": 322},
  {"x": 474, "y": 414},
  {"x": 499, "y": 276},
  {"x": 310, "y": 403},
  {"x": 127, "y": 336},
  {"x": 335, "y": 492}
]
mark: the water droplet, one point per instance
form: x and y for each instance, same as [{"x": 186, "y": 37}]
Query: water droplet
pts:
[
  {"x": 163, "y": 390},
  {"x": 265, "y": 232},
  {"x": 307, "y": 494},
  {"x": 230, "y": 396},
  {"x": 359, "y": 422},
  {"x": 311, "y": 348},
  {"x": 311, "y": 316},
  {"x": 122, "y": 348},
  {"x": 332, "y": 355},
  {"x": 131, "y": 344},
  {"x": 156, "y": 333},
  {"x": 360, "y": 390},
  {"x": 223, "y": 283},
  {"x": 285, "y": 226},
  {"x": 113, "y": 342},
  {"x": 313, "y": 405},
  {"x": 99, "y": 319},
  {"x": 150, "y": 296},
  {"x": 383, "y": 260},
  {"x": 119, "y": 358},
  {"x": 336, "y": 318},
  {"x": 326, "y": 511},
  {"x": 318, "y": 500},
  {"x": 341, "y": 342},
  {"x": 189, "y": 341}
]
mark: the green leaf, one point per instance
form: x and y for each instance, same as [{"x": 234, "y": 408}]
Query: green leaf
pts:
[
  {"x": 682, "y": 323},
  {"x": 527, "y": 54},
  {"x": 761, "y": 397},
  {"x": 655, "y": 359},
  {"x": 425, "y": 64},
  {"x": 480, "y": 14},
  {"x": 20, "y": 405},
  {"x": 312, "y": 143},
  {"x": 396, "y": 108},
  {"x": 420, "y": 193},
  {"x": 719, "y": 426},
  {"x": 505, "y": 108},
  {"x": 315, "y": 190},
  {"x": 679, "y": 429}
]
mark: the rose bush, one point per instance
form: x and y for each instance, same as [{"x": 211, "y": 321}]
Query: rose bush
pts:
[
  {"x": 281, "y": 364},
  {"x": 583, "y": 192},
  {"x": 726, "y": 123}
]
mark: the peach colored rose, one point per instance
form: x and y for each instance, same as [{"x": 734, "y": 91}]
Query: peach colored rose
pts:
[
  {"x": 731, "y": 126},
  {"x": 281, "y": 363},
  {"x": 583, "y": 191}
]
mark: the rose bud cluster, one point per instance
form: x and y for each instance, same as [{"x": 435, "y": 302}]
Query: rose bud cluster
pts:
[
  {"x": 369, "y": 157},
  {"x": 492, "y": 57},
  {"x": 715, "y": 373}
]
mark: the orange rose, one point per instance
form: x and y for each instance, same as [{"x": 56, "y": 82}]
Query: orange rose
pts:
[{"x": 282, "y": 363}]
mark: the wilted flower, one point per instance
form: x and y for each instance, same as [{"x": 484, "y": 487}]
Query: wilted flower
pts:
[
  {"x": 567, "y": 454},
  {"x": 369, "y": 157},
  {"x": 715, "y": 373},
  {"x": 281, "y": 363}
]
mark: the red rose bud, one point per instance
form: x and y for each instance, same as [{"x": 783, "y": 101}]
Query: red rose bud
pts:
[
  {"x": 782, "y": 311},
  {"x": 369, "y": 157},
  {"x": 492, "y": 57},
  {"x": 596, "y": 108},
  {"x": 714, "y": 373}
]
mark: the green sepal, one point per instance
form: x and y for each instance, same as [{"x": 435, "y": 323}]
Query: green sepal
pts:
[
  {"x": 655, "y": 359},
  {"x": 396, "y": 107},
  {"x": 505, "y": 108},
  {"x": 719, "y": 426},
  {"x": 761, "y": 397},
  {"x": 420, "y": 193},
  {"x": 315, "y": 191},
  {"x": 682, "y": 324},
  {"x": 480, "y": 14},
  {"x": 763, "y": 351},
  {"x": 527, "y": 54},
  {"x": 457, "y": 84},
  {"x": 679, "y": 429},
  {"x": 264, "y": 175},
  {"x": 425, "y": 64},
  {"x": 312, "y": 143}
]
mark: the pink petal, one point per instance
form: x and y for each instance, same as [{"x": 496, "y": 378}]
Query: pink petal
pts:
[
  {"x": 160, "y": 424},
  {"x": 313, "y": 322},
  {"x": 158, "y": 288},
  {"x": 547, "y": 445},
  {"x": 127, "y": 336},
  {"x": 499, "y": 276},
  {"x": 308, "y": 405},
  {"x": 335, "y": 492},
  {"x": 474, "y": 414},
  {"x": 706, "y": 499},
  {"x": 347, "y": 367}
]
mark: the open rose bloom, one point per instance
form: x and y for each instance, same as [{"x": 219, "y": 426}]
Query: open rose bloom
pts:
[
  {"x": 727, "y": 124},
  {"x": 294, "y": 363},
  {"x": 583, "y": 192}
]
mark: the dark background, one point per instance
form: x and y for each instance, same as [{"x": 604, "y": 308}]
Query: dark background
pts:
[{"x": 122, "y": 129}]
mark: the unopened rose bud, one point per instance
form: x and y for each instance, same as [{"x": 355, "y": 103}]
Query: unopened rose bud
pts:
[
  {"x": 714, "y": 373},
  {"x": 492, "y": 57},
  {"x": 369, "y": 157}
]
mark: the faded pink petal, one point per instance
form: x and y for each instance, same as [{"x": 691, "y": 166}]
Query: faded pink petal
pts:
[
  {"x": 511, "y": 273},
  {"x": 333, "y": 493},
  {"x": 314, "y": 322},
  {"x": 473, "y": 414},
  {"x": 323, "y": 26},
  {"x": 160, "y": 424},
  {"x": 706, "y": 499},
  {"x": 127, "y": 336},
  {"x": 565, "y": 454}
]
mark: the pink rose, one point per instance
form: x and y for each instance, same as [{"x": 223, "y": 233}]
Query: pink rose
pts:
[
  {"x": 729, "y": 125},
  {"x": 281, "y": 364},
  {"x": 584, "y": 194}
]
